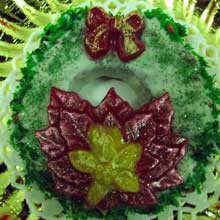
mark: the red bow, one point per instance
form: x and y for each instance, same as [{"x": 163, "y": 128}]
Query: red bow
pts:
[{"x": 105, "y": 32}]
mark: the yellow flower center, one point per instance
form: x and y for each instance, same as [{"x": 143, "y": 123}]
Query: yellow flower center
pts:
[{"x": 111, "y": 162}]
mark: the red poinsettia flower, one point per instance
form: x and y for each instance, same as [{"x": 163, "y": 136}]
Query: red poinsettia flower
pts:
[{"x": 111, "y": 154}]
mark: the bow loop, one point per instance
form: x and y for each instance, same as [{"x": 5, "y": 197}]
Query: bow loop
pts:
[
  {"x": 97, "y": 40},
  {"x": 135, "y": 22},
  {"x": 96, "y": 17},
  {"x": 105, "y": 33}
]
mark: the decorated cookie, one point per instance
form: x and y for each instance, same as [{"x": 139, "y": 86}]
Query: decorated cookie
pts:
[{"x": 114, "y": 116}]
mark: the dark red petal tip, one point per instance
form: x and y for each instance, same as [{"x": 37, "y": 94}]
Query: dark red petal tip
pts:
[
  {"x": 63, "y": 169},
  {"x": 162, "y": 111},
  {"x": 140, "y": 128},
  {"x": 110, "y": 202},
  {"x": 53, "y": 115},
  {"x": 51, "y": 141},
  {"x": 68, "y": 100},
  {"x": 139, "y": 200},
  {"x": 70, "y": 190},
  {"x": 113, "y": 103},
  {"x": 74, "y": 126},
  {"x": 172, "y": 178}
]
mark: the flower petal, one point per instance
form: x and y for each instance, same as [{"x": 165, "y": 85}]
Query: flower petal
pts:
[
  {"x": 68, "y": 100},
  {"x": 166, "y": 157},
  {"x": 110, "y": 121},
  {"x": 110, "y": 201},
  {"x": 141, "y": 127},
  {"x": 162, "y": 111},
  {"x": 172, "y": 140},
  {"x": 141, "y": 199},
  {"x": 146, "y": 163},
  {"x": 114, "y": 104},
  {"x": 74, "y": 125},
  {"x": 83, "y": 161},
  {"x": 97, "y": 193},
  {"x": 169, "y": 148},
  {"x": 78, "y": 144},
  {"x": 102, "y": 143},
  {"x": 53, "y": 115},
  {"x": 100, "y": 112},
  {"x": 127, "y": 158},
  {"x": 181, "y": 143},
  {"x": 181, "y": 153},
  {"x": 118, "y": 140},
  {"x": 172, "y": 178},
  {"x": 163, "y": 153},
  {"x": 127, "y": 182},
  {"x": 51, "y": 141},
  {"x": 159, "y": 171},
  {"x": 63, "y": 169},
  {"x": 70, "y": 190}
]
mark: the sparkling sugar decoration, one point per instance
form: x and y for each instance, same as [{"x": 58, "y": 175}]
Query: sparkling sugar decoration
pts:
[{"x": 111, "y": 154}]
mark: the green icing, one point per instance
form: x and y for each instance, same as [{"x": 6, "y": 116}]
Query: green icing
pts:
[{"x": 166, "y": 65}]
